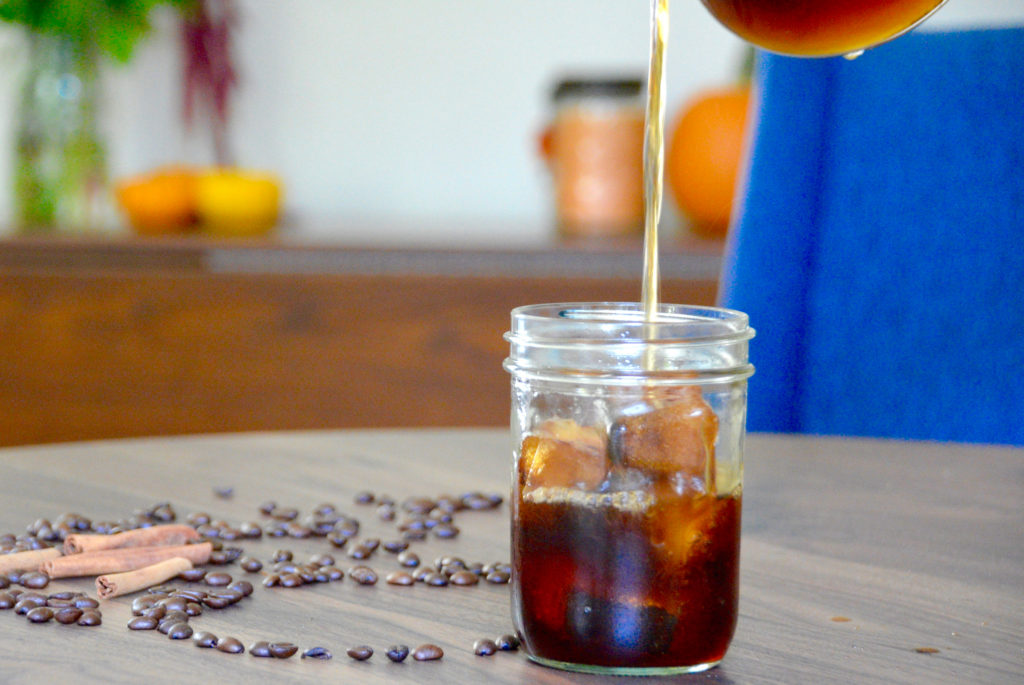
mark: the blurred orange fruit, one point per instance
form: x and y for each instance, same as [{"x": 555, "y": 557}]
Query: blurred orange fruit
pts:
[
  {"x": 704, "y": 155},
  {"x": 160, "y": 202}
]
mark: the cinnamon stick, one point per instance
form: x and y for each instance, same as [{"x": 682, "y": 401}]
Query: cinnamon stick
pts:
[
  {"x": 27, "y": 561},
  {"x": 117, "y": 584},
  {"x": 126, "y": 559},
  {"x": 169, "y": 534}
]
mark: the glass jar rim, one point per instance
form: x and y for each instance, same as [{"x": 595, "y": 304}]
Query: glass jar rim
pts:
[{"x": 596, "y": 323}]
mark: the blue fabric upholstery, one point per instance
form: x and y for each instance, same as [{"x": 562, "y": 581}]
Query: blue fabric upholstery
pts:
[{"x": 879, "y": 246}]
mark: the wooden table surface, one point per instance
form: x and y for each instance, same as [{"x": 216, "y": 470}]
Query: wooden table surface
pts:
[{"x": 919, "y": 545}]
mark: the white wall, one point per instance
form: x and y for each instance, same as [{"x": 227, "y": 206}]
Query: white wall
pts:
[{"x": 406, "y": 114}]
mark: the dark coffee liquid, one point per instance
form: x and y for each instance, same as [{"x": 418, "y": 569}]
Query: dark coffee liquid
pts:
[
  {"x": 819, "y": 27},
  {"x": 615, "y": 587}
]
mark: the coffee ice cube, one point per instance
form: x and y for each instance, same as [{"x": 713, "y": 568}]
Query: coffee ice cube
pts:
[
  {"x": 548, "y": 462},
  {"x": 678, "y": 437}
]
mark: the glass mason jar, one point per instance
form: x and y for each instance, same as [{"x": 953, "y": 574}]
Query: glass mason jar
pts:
[
  {"x": 628, "y": 444},
  {"x": 595, "y": 154}
]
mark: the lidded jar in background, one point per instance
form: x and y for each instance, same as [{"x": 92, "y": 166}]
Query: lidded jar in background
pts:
[{"x": 594, "y": 148}]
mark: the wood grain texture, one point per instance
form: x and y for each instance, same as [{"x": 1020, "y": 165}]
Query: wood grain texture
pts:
[
  {"x": 134, "y": 342},
  {"x": 918, "y": 544}
]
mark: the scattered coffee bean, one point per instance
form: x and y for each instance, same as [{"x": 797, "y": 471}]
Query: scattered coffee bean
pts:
[
  {"x": 291, "y": 580},
  {"x": 497, "y": 577},
  {"x": 364, "y": 575},
  {"x": 230, "y": 645},
  {"x": 427, "y": 652},
  {"x": 86, "y": 603},
  {"x": 251, "y": 530},
  {"x": 180, "y": 631},
  {"x": 35, "y": 580},
  {"x": 282, "y": 650},
  {"x": 141, "y": 623},
  {"x": 360, "y": 653},
  {"x": 204, "y": 639},
  {"x": 409, "y": 559},
  {"x": 364, "y": 497},
  {"x": 360, "y": 552},
  {"x": 174, "y": 603},
  {"x": 386, "y": 512},
  {"x": 399, "y": 578},
  {"x": 398, "y": 653},
  {"x": 7, "y": 600},
  {"x": 250, "y": 564},
  {"x": 218, "y": 579},
  {"x": 464, "y": 578},
  {"x": 90, "y": 618},
  {"x": 395, "y": 546},
  {"x": 67, "y": 615},
  {"x": 39, "y": 614},
  {"x": 260, "y": 648},
  {"x": 193, "y": 575},
  {"x": 4, "y": 583},
  {"x": 322, "y": 560},
  {"x": 157, "y": 611},
  {"x": 242, "y": 586},
  {"x": 268, "y": 508},
  {"x": 508, "y": 643},
  {"x": 282, "y": 555},
  {"x": 285, "y": 513},
  {"x": 484, "y": 647},
  {"x": 194, "y": 609},
  {"x": 223, "y": 491},
  {"x": 445, "y": 531},
  {"x": 319, "y": 653},
  {"x": 435, "y": 579}
]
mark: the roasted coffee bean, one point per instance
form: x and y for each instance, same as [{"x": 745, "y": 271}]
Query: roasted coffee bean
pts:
[
  {"x": 63, "y": 595},
  {"x": 268, "y": 508},
  {"x": 4, "y": 583},
  {"x": 218, "y": 579},
  {"x": 347, "y": 527},
  {"x": 360, "y": 552},
  {"x": 427, "y": 652},
  {"x": 23, "y": 606},
  {"x": 260, "y": 648},
  {"x": 418, "y": 505},
  {"x": 193, "y": 575},
  {"x": 412, "y": 524},
  {"x": 298, "y": 531},
  {"x": 398, "y": 653},
  {"x": 291, "y": 580},
  {"x": 272, "y": 580},
  {"x": 399, "y": 578},
  {"x": 464, "y": 578},
  {"x": 282, "y": 650},
  {"x": 251, "y": 530},
  {"x": 174, "y": 603},
  {"x": 307, "y": 573},
  {"x": 332, "y": 572},
  {"x": 484, "y": 647},
  {"x": 36, "y": 580},
  {"x": 445, "y": 531},
  {"x": 7, "y": 600},
  {"x": 217, "y": 601},
  {"x": 39, "y": 614},
  {"x": 386, "y": 512},
  {"x": 86, "y": 603},
  {"x": 449, "y": 565},
  {"x": 205, "y": 639},
  {"x": 223, "y": 491},
  {"x": 508, "y": 643},
  {"x": 242, "y": 586},
  {"x": 364, "y": 497},
  {"x": 67, "y": 615},
  {"x": 285, "y": 513},
  {"x": 157, "y": 611},
  {"x": 395, "y": 546},
  {"x": 180, "y": 631},
  {"x": 142, "y": 623},
  {"x": 497, "y": 577},
  {"x": 476, "y": 567},
  {"x": 190, "y": 594},
  {"x": 441, "y": 516},
  {"x": 55, "y": 603},
  {"x": 409, "y": 559},
  {"x": 435, "y": 579},
  {"x": 414, "y": 535},
  {"x": 275, "y": 530},
  {"x": 283, "y": 567},
  {"x": 194, "y": 609},
  {"x": 198, "y": 518},
  {"x": 282, "y": 555},
  {"x": 360, "y": 653},
  {"x": 325, "y": 509},
  {"x": 322, "y": 560},
  {"x": 319, "y": 653},
  {"x": 90, "y": 618},
  {"x": 231, "y": 645},
  {"x": 337, "y": 539},
  {"x": 218, "y": 558},
  {"x": 250, "y": 564},
  {"x": 14, "y": 577},
  {"x": 231, "y": 554},
  {"x": 421, "y": 573},
  {"x": 371, "y": 544},
  {"x": 364, "y": 575}
]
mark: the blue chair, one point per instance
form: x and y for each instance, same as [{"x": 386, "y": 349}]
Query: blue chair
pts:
[{"x": 879, "y": 242}]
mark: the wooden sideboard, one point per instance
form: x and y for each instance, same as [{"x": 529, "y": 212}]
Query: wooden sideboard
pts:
[{"x": 116, "y": 338}]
